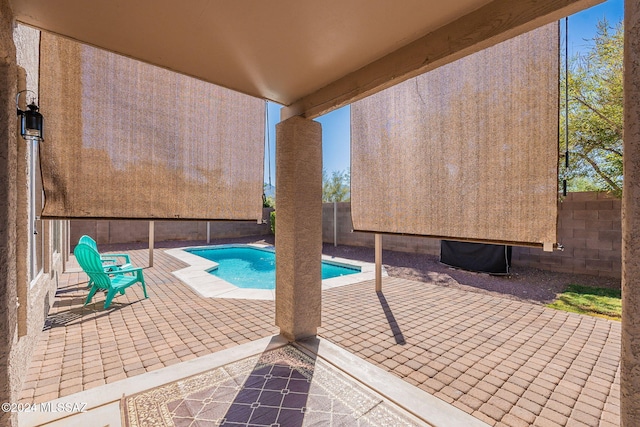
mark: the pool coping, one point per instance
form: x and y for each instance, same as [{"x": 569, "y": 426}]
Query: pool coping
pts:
[{"x": 205, "y": 284}]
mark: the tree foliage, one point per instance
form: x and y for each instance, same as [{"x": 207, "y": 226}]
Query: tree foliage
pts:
[
  {"x": 268, "y": 202},
  {"x": 268, "y": 196},
  {"x": 336, "y": 188},
  {"x": 596, "y": 113}
]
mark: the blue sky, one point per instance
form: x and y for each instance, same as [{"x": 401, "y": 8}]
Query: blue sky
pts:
[{"x": 336, "y": 125}]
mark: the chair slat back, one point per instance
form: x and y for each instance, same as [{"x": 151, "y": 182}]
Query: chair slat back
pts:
[
  {"x": 87, "y": 240},
  {"x": 89, "y": 260}
]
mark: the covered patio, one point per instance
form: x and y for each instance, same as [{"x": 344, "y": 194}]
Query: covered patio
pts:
[{"x": 500, "y": 361}]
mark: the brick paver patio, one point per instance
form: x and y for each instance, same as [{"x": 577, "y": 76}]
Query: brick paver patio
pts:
[
  {"x": 85, "y": 347},
  {"x": 505, "y": 362}
]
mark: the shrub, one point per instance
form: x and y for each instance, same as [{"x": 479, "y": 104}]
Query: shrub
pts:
[
  {"x": 272, "y": 220},
  {"x": 268, "y": 202}
]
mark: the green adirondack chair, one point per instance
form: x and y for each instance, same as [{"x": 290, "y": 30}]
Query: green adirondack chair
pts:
[
  {"x": 110, "y": 262},
  {"x": 112, "y": 281}
]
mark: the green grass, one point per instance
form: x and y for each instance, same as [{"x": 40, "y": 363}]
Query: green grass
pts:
[{"x": 599, "y": 302}]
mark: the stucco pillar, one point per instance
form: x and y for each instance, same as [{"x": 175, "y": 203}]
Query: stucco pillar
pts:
[
  {"x": 630, "y": 370},
  {"x": 298, "y": 227},
  {"x": 8, "y": 196}
]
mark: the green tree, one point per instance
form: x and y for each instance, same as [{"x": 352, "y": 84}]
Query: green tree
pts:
[
  {"x": 336, "y": 188},
  {"x": 596, "y": 113},
  {"x": 268, "y": 201}
]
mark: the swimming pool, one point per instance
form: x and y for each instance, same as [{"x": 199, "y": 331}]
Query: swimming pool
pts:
[{"x": 254, "y": 268}]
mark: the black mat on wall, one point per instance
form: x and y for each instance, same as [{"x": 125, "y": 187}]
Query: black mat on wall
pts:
[{"x": 480, "y": 257}]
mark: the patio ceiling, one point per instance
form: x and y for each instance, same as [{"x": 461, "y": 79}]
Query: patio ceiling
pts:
[{"x": 313, "y": 56}]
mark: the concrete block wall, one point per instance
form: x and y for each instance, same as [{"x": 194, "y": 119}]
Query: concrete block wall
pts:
[
  {"x": 590, "y": 229},
  {"x": 346, "y": 236},
  {"x": 127, "y": 231}
]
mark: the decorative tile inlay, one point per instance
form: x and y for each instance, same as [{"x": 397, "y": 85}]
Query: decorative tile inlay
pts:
[{"x": 282, "y": 387}]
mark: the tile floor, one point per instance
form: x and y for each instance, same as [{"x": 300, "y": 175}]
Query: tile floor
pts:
[{"x": 283, "y": 387}]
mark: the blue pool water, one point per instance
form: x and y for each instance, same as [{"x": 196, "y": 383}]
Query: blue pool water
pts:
[{"x": 248, "y": 267}]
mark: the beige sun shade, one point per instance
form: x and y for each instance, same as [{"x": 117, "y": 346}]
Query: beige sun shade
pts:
[
  {"x": 468, "y": 151},
  {"x": 125, "y": 139}
]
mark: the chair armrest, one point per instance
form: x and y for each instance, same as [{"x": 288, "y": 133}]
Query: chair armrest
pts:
[
  {"x": 125, "y": 270},
  {"x": 108, "y": 268},
  {"x": 114, "y": 257}
]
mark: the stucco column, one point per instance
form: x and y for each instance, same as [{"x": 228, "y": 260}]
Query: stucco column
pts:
[
  {"x": 630, "y": 371},
  {"x": 298, "y": 227},
  {"x": 8, "y": 197}
]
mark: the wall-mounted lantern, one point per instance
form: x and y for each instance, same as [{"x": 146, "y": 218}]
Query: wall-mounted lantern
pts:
[{"x": 31, "y": 121}]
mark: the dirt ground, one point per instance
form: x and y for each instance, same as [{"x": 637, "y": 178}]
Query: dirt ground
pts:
[{"x": 523, "y": 283}]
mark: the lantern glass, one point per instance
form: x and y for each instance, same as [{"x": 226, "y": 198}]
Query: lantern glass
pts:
[{"x": 31, "y": 123}]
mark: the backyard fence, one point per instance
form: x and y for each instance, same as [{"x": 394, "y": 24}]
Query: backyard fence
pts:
[
  {"x": 128, "y": 231},
  {"x": 589, "y": 228}
]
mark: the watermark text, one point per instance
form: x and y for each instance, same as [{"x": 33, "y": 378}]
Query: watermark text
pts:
[{"x": 65, "y": 407}]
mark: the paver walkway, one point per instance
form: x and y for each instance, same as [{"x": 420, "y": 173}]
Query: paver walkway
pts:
[{"x": 505, "y": 362}]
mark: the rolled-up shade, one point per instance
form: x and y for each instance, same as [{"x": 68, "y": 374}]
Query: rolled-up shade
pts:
[
  {"x": 468, "y": 151},
  {"x": 125, "y": 139}
]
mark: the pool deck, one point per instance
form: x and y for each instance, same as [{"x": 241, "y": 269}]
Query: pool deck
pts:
[
  {"x": 504, "y": 362},
  {"x": 197, "y": 275}
]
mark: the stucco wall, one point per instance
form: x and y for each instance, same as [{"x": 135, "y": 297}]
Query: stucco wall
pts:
[
  {"x": 34, "y": 294},
  {"x": 24, "y": 302},
  {"x": 8, "y": 155}
]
